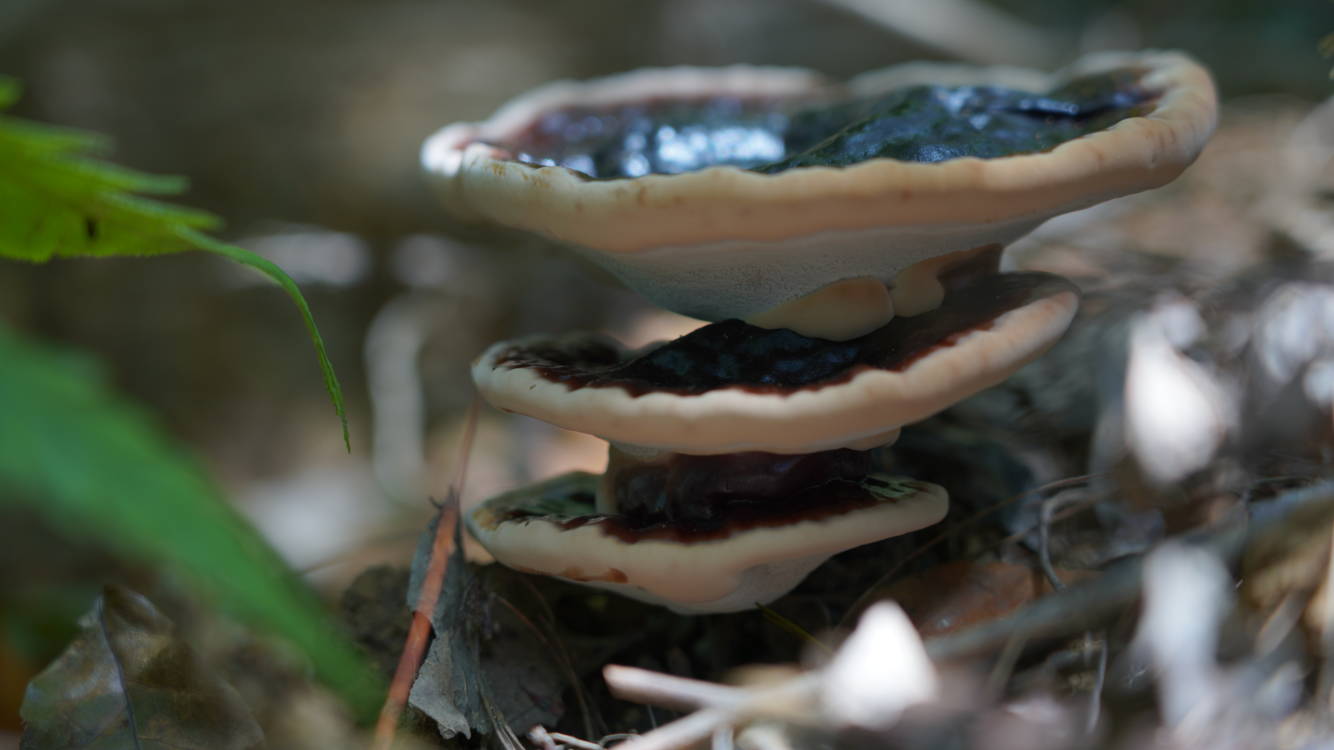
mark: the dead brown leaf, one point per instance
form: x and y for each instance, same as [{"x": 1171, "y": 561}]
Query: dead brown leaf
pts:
[{"x": 128, "y": 681}]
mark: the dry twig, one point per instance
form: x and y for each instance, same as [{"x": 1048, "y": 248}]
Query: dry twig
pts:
[{"x": 414, "y": 650}]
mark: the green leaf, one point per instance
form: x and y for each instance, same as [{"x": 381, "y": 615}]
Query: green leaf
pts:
[
  {"x": 58, "y": 201},
  {"x": 95, "y": 466},
  {"x": 128, "y": 681},
  {"x": 268, "y": 268}
]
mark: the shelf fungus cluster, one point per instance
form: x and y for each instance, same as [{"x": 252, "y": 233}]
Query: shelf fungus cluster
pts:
[{"x": 844, "y": 238}]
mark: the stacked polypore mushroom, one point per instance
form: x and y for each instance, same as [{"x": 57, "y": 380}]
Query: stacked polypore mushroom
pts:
[{"x": 845, "y": 238}]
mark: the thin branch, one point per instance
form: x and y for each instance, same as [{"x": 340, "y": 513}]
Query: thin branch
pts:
[
  {"x": 414, "y": 650},
  {"x": 684, "y": 732},
  {"x": 1099, "y": 682},
  {"x": 721, "y": 707},
  {"x": 668, "y": 691},
  {"x": 1050, "y": 507},
  {"x": 539, "y": 736}
]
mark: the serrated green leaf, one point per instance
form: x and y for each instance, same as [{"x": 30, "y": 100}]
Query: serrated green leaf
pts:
[
  {"x": 57, "y": 201},
  {"x": 96, "y": 466}
]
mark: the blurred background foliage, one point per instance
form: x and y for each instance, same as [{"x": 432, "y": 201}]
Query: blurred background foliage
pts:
[{"x": 299, "y": 123}]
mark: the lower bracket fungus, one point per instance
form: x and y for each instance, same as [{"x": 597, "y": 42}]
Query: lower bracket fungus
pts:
[
  {"x": 846, "y": 242},
  {"x": 751, "y": 550}
]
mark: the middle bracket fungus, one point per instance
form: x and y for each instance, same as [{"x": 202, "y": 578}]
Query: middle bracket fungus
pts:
[{"x": 846, "y": 237}]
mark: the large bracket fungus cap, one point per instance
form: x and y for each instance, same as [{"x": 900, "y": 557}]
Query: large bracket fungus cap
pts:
[{"x": 687, "y": 240}]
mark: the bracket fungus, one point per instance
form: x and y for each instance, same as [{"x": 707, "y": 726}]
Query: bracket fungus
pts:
[{"x": 844, "y": 238}]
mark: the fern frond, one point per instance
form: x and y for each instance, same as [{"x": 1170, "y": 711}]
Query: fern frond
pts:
[{"x": 58, "y": 199}]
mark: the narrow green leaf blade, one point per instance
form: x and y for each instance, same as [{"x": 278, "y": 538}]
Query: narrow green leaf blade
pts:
[
  {"x": 97, "y": 467},
  {"x": 280, "y": 277}
]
